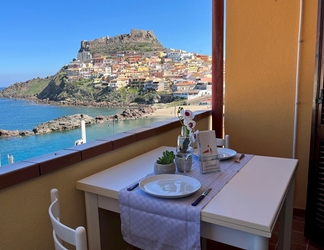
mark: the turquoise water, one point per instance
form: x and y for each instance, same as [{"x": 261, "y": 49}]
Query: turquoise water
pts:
[{"x": 24, "y": 115}]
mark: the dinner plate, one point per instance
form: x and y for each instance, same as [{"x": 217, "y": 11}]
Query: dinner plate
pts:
[
  {"x": 225, "y": 153},
  {"x": 169, "y": 185}
]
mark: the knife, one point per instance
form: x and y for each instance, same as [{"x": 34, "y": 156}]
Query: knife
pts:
[
  {"x": 133, "y": 187},
  {"x": 202, "y": 196}
]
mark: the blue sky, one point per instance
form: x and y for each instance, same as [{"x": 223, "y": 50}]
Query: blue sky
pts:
[{"x": 39, "y": 37}]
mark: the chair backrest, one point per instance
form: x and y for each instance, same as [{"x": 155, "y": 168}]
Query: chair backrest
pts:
[
  {"x": 223, "y": 142},
  {"x": 62, "y": 233}
]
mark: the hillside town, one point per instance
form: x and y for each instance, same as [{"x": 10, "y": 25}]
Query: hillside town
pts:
[{"x": 185, "y": 75}]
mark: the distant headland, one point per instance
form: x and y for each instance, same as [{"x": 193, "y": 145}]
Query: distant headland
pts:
[{"x": 121, "y": 71}]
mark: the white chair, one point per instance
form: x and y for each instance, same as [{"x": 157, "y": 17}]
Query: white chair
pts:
[
  {"x": 62, "y": 233},
  {"x": 223, "y": 142}
]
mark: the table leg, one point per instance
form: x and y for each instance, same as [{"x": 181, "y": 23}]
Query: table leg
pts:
[
  {"x": 285, "y": 219},
  {"x": 258, "y": 242},
  {"x": 203, "y": 244},
  {"x": 93, "y": 229}
]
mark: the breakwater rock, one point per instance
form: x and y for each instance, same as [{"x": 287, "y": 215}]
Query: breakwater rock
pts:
[
  {"x": 74, "y": 122},
  {"x": 128, "y": 114},
  {"x": 10, "y": 133},
  {"x": 79, "y": 103},
  {"x": 63, "y": 123}
]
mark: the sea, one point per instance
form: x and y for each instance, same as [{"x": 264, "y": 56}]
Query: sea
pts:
[{"x": 23, "y": 115}]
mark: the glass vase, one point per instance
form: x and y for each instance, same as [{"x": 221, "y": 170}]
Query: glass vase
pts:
[
  {"x": 183, "y": 144},
  {"x": 184, "y": 131},
  {"x": 184, "y": 151}
]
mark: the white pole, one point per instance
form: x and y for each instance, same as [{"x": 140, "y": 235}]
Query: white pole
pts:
[
  {"x": 10, "y": 159},
  {"x": 83, "y": 131}
]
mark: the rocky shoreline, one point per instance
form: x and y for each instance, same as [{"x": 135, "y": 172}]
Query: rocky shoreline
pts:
[
  {"x": 74, "y": 102},
  {"x": 95, "y": 104},
  {"x": 74, "y": 122}
]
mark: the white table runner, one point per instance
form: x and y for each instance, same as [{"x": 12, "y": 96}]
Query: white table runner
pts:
[{"x": 149, "y": 223}]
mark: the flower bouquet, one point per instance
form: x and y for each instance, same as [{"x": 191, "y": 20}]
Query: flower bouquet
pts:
[{"x": 187, "y": 136}]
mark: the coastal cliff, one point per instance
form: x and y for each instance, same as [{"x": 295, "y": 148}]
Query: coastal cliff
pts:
[{"x": 58, "y": 90}]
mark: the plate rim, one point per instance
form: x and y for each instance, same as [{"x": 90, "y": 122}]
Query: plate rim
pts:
[
  {"x": 231, "y": 153},
  {"x": 168, "y": 176}
]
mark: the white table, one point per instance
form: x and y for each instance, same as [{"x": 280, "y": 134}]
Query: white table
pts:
[{"x": 242, "y": 214}]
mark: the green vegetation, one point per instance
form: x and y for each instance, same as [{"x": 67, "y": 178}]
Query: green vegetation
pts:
[
  {"x": 84, "y": 82},
  {"x": 36, "y": 88},
  {"x": 123, "y": 93},
  {"x": 166, "y": 158},
  {"x": 133, "y": 91},
  {"x": 59, "y": 88}
]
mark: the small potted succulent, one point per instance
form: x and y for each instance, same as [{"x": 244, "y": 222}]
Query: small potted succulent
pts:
[{"x": 165, "y": 163}]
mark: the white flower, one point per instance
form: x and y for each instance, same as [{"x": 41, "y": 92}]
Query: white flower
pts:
[
  {"x": 187, "y": 114},
  {"x": 193, "y": 136},
  {"x": 190, "y": 124},
  {"x": 186, "y": 118}
]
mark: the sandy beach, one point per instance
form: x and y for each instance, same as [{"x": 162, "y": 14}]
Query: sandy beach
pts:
[{"x": 172, "y": 111}]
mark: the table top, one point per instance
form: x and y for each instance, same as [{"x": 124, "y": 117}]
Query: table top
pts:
[{"x": 250, "y": 201}]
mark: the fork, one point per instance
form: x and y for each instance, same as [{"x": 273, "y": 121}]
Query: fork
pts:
[{"x": 240, "y": 158}]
